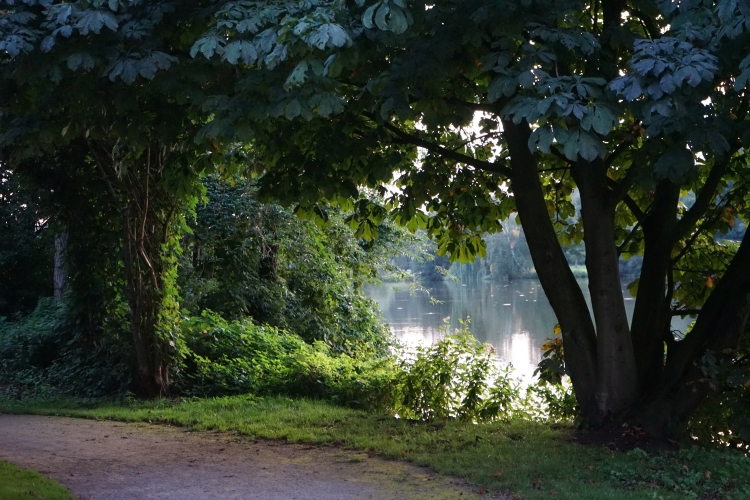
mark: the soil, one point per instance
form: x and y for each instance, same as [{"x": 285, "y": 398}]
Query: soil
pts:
[
  {"x": 625, "y": 437},
  {"x": 102, "y": 460}
]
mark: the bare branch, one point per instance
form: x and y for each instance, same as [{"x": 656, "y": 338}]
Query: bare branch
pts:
[{"x": 628, "y": 238}]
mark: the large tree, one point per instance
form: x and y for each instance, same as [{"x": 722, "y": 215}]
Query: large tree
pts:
[
  {"x": 89, "y": 79},
  {"x": 476, "y": 109}
]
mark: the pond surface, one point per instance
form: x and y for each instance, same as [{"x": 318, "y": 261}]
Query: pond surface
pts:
[{"x": 515, "y": 316}]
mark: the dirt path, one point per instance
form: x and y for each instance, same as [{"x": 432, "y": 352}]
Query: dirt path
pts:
[{"x": 109, "y": 460}]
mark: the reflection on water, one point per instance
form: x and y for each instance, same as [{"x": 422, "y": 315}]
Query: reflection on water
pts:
[{"x": 515, "y": 317}]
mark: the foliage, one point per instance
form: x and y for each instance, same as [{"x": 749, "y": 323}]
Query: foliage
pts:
[
  {"x": 26, "y": 246},
  {"x": 551, "y": 368},
  {"x": 240, "y": 357},
  {"x": 93, "y": 323},
  {"x": 470, "y": 112},
  {"x": 456, "y": 378},
  {"x": 724, "y": 420},
  {"x": 551, "y": 402},
  {"x": 248, "y": 258},
  {"x": 20, "y": 484},
  {"x": 77, "y": 94},
  {"x": 528, "y": 459},
  {"x": 45, "y": 353}
]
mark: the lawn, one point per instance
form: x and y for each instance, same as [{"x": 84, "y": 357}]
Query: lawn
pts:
[
  {"x": 23, "y": 484},
  {"x": 532, "y": 460}
]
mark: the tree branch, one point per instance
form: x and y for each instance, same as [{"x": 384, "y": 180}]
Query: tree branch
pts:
[
  {"x": 620, "y": 189},
  {"x": 615, "y": 153},
  {"x": 629, "y": 202},
  {"x": 628, "y": 238},
  {"x": 685, "y": 312},
  {"x": 447, "y": 153},
  {"x": 648, "y": 23},
  {"x": 703, "y": 201}
]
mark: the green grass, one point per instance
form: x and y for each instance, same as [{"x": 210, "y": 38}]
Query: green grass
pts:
[
  {"x": 530, "y": 459},
  {"x": 23, "y": 484}
]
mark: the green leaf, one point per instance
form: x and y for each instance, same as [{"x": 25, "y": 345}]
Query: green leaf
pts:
[
  {"x": 367, "y": 16},
  {"x": 380, "y": 16},
  {"x": 602, "y": 120},
  {"x": 397, "y": 21},
  {"x": 297, "y": 77},
  {"x": 240, "y": 50},
  {"x": 292, "y": 109},
  {"x": 590, "y": 147},
  {"x": 676, "y": 164},
  {"x": 337, "y": 36}
]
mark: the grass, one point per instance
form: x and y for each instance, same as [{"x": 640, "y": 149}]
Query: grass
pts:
[
  {"x": 24, "y": 484},
  {"x": 531, "y": 460}
]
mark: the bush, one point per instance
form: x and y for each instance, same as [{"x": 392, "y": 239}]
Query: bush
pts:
[
  {"x": 44, "y": 353},
  {"x": 456, "y": 378},
  {"x": 240, "y": 357},
  {"x": 724, "y": 417}
]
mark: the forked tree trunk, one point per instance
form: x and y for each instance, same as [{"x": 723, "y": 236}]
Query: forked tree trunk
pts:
[
  {"x": 617, "y": 377},
  {"x": 555, "y": 276}
]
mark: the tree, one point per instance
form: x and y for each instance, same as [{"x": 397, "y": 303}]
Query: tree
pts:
[
  {"x": 477, "y": 109},
  {"x": 69, "y": 74}
]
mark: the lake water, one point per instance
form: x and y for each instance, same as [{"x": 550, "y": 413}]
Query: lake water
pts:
[{"x": 515, "y": 316}]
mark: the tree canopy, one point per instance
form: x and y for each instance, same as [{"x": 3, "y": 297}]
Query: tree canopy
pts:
[{"x": 460, "y": 113}]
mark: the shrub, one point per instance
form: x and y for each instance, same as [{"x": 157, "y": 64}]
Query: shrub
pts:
[
  {"x": 456, "y": 378},
  {"x": 241, "y": 357},
  {"x": 44, "y": 353}
]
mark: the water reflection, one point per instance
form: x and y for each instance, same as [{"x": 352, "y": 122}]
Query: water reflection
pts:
[{"x": 514, "y": 317}]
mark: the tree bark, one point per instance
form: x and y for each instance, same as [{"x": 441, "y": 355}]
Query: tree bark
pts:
[
  {"x": 617, "y": 376},
  {"x": 652, "y": 314},
  {"x": 555, "y": 276},
  {"x": 60, "y": 278},
  {"x": 149, "y": 260},
  {"x": 144, "y": 289}
]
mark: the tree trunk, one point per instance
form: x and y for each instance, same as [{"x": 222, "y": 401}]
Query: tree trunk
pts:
[
  {"x": 617, "y": 376},
  {"x": 150, "y": 251},
  {"x": 555, "y": 276},
  {"x": 652, "y": 315},
  {"x": 144, "y": 298},
  {"x": 60, "y": 277},
  {"x": 717, "y": 331}
]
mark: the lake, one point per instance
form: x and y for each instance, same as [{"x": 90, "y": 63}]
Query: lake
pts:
[{"x": 515, "y": 316}]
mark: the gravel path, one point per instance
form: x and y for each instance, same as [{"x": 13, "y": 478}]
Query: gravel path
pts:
[{"x": 109, "y": 460}]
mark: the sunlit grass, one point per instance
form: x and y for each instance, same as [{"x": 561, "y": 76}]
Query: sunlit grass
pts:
[{"x": 530, "y": 459}]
